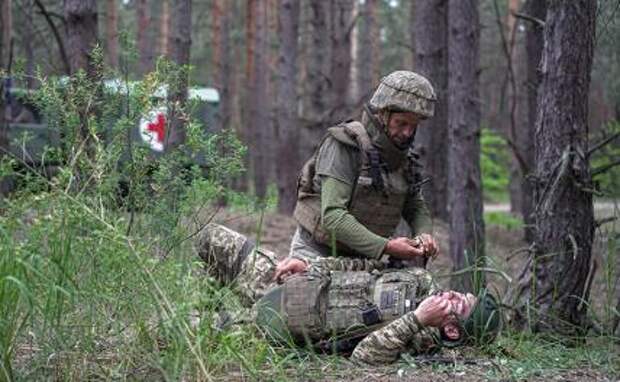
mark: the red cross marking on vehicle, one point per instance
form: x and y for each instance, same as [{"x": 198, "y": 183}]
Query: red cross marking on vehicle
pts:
[{"x": 158, "y": 127}]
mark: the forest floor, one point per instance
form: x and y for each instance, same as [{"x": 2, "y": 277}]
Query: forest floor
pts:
[{"x": 515, "y": 356}]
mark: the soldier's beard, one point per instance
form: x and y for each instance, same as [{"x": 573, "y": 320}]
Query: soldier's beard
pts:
[{"x": 402, "y": 144}]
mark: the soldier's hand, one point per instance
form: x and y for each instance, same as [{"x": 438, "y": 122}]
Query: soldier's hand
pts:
[
  {"x": 289, "y": 267},
  {"x": 434, "y": 311},
  {"x": 428, "y": 243},
  {"x": 403, "y": 248}
]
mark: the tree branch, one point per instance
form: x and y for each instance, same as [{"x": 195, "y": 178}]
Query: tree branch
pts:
[
  {"x": 513, "y": 84},
  {"x": 606, "y": 220},
  {"x": 602, "y": 143},
  {"x": 529, "y": 18},
  {"x": 607, "y": 167},
  {"x": 61, "y": 46}
]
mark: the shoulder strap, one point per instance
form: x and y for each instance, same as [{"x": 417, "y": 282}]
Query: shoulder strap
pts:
[
  {"x": 414, "y": 172},
  {"x": 372, "y": 158}
]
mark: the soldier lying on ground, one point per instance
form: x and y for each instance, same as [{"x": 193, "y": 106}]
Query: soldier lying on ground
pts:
[{"x": 334, "y": 303}]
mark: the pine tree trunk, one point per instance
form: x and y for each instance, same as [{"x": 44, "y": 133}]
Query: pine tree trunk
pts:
[
  {"x": 354, "y": 92},
  {"x": 164, "y": 34},
  {"x": 554, "y": 290},
  {"x": 81, "y": 19},
  {"x": 7, "y": 33},
  {"x": 27, "y": 41},
  {"x": 287, "y": 122},
  {"x": 516, "y": 107},
  {"x": 465, "y": 192},
  {"x": 316, "y": 84},
  {"x": 368, "y": 50},
  {"x": 111, "y": 32},
  {"x": 431, "y": 58},
  {"x": 257, "y": 121},
  {"x": 180, "y": 43},
  {"x": 534, "y": 47},
  {"x": 143, "y": 22},
  {"x": 341, "y": 18},
  {"x": 6, "y": 28}
]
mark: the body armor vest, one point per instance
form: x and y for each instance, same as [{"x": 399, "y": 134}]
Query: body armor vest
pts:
[
  {"x": 349, "y": 303},
  {"x": 378, "y": 194}
]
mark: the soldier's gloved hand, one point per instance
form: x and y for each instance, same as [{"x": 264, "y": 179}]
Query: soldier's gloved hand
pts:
[
  {"x": 402, "y": 248},
  {"x": 434, "y": 311},
  {"x": 289, "y": 267}
]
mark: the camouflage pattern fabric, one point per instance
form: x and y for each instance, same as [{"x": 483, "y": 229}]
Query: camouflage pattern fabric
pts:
[
  {"x": 232, "y": 259},
  {"x": 405, "y": 91},
  {"x": 385, "y": 345}
]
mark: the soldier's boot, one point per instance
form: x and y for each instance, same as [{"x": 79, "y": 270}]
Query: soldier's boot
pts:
[{"x": 233, "y": 257}]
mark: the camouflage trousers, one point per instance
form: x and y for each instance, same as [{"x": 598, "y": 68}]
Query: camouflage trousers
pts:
[{"x": 233, "y": 260}]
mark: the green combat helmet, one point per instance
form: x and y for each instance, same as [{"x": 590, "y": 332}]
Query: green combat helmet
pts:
[
  {"x": 405, "y": 91},
  {"x": 484, "y": 321}
]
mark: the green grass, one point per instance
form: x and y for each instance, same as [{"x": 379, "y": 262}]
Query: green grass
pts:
[{"x": 503, "y": 219}]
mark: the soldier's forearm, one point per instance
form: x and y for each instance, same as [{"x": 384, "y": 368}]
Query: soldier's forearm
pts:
[{"x": 384, "y": 346}]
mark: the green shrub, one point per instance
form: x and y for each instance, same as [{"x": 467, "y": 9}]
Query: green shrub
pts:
[{"x": 96, "y": 283}]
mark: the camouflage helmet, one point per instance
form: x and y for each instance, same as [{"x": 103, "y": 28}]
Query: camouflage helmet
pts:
[{"x": 405, "y": 91}]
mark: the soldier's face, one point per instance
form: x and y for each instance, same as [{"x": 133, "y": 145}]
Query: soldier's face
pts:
[
  {"x": 401, "y": 128},
  {"x": 462, "y": 305}
]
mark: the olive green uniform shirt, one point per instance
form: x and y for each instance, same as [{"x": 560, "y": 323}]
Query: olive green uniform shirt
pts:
[{"x": 337, "y": 166}]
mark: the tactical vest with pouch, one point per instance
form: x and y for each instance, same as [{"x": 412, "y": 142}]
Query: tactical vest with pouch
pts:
[
  {"x": 378, "y": 196},
  {"x": 347, "y": 304}
]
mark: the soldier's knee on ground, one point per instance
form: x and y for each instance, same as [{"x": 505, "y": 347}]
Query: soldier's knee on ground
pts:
[{"x": 223, "y": 250}]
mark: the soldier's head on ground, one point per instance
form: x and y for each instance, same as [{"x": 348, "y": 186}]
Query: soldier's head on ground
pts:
[
  {"x": 402, "y": 100},
  {"x": 472, "y": 319}
]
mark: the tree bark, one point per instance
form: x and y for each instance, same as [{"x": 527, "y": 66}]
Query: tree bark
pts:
[
  {"x": 28, "y": 39},
  {"x": 341, "y": 13},
  {"x": 143, "y": 21},
  {"x": 534, "y": 46},
  {"x": 369, "y": 50},
  {"x": 111, "y": 32},
  {"x": 553, "y": 291},
  {"x": 6, "y": 28},
  {"x": 180, "y": 43},
  {"x": 431, "y": 58},
  {"x": 223, "y": 60},
  {"x": 164, "y": 36},
  {"x": 465, "y": 192},
  {"x": 7, "y": 33},
  {"x": 289, "y": 161},
  {"x": 317, "y": 81},
  {"x": 81, "y": 17},
  {"x": 257, "y": 97}
]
